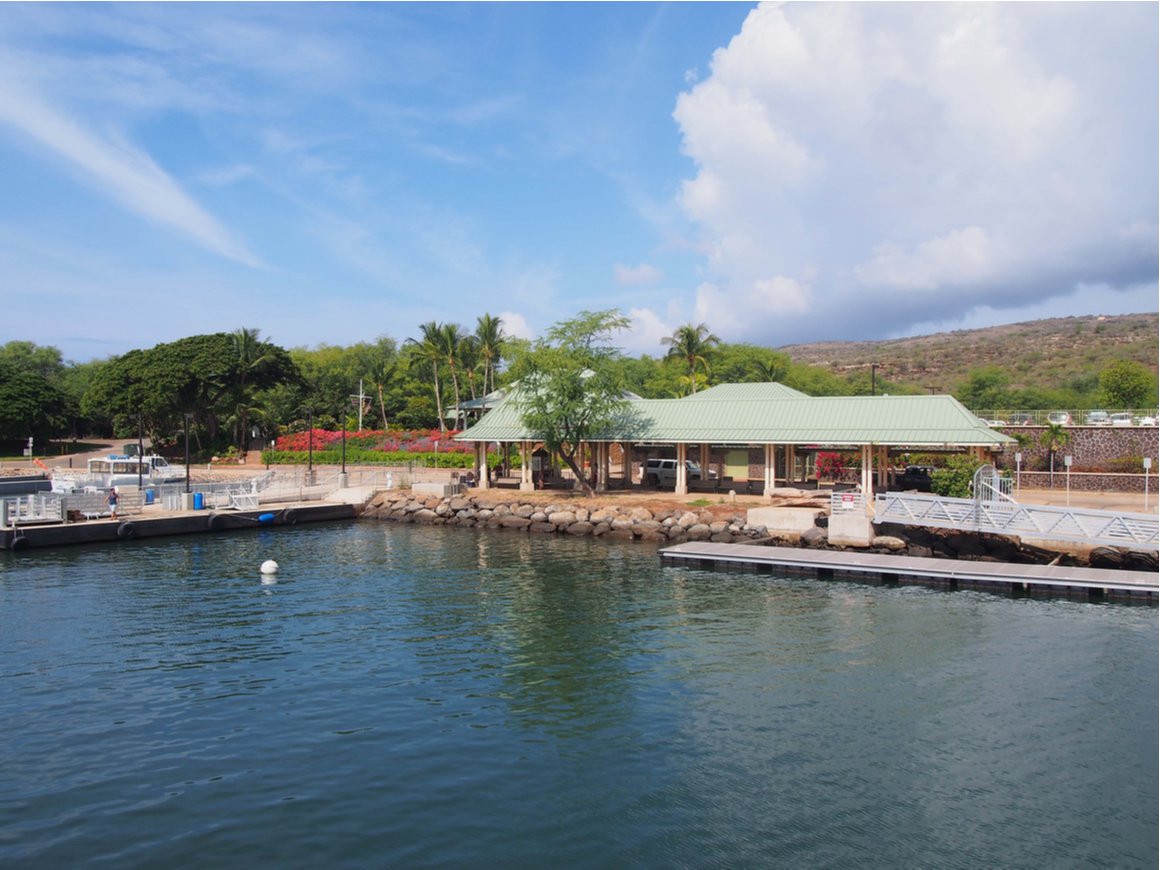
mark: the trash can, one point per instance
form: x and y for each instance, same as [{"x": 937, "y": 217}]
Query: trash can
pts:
[
  {"x": 148, "y": 496},
  {"x": 198, "y": 501}
]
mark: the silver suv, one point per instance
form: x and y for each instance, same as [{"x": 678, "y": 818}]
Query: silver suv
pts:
[{"x": 662, "y": 472}]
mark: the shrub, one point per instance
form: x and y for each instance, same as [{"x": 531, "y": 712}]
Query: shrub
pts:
[{"x": 954, "y": 481}]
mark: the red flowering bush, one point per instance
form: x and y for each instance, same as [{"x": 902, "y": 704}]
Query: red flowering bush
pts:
[
  {"x": 829, "y": 465},
  {"x": 380, "y": 440}
]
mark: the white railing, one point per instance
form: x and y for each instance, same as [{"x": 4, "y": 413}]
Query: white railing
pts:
[
  {"x": 1024, "y": 520},
  {"x": 37, "y": 508}
]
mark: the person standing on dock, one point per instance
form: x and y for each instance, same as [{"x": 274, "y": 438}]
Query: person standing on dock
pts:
[{"x": 113, "y": 502}]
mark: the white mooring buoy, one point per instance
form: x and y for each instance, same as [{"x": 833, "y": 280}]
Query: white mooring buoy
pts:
[{"x": 269, "y": 567}]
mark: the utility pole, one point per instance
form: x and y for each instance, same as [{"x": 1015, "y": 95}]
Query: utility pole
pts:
[{"x": 361, "y": 398}]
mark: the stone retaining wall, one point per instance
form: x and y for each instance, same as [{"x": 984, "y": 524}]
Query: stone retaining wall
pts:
[
  {"x": 673, "y": 525},
  {"x": 1087, "y": 482}
]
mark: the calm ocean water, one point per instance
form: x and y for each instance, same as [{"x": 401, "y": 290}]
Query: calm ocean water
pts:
[{"x": 423, "y": 697}]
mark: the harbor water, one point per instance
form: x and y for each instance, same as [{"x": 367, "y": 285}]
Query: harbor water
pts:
[{"x": 431, "y": 697}]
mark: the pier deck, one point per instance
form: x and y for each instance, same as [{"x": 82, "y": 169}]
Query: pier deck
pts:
[
  {"x": 949, "y": 573},
  {"x": 155, "y": 522}
]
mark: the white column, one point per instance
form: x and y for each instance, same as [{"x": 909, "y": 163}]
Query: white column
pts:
[
  {"x": 682, "y": 487},
  {"x": 770, "y": 469},
  {"x": 867, "y": 471},
  {"x": 481, "y": 466},
  {"x": 603, "y": 449},
  {"x": 526, "y": 482}
]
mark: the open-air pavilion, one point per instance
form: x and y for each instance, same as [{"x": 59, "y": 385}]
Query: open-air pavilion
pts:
[{"x": 761, "y": 431}]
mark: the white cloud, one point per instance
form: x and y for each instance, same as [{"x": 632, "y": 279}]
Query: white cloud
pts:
[
  {"x": 120, "y": 170},
  {"x": 644, "y": 333},
  {"x": 516, "y": 325},
  {"x": 949, "y": 156},
  {"x": 642, "y": 273}
]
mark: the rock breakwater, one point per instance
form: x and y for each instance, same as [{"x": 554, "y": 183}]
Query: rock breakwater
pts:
[{"x": 674, "y": 524}]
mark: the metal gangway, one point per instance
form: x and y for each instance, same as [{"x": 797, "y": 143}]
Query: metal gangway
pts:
[{"x": 993, "y": 510}]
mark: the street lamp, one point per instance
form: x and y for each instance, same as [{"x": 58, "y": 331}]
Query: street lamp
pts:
[
  {"x": 310, "y": 448},
  {"x": 140, "y": 452},
  {"x": 187, "y": 416},
  {"x": 344, "y": 449}
]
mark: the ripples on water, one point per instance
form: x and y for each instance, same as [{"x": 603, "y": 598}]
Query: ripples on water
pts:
[{"x": 431, "y": 697}]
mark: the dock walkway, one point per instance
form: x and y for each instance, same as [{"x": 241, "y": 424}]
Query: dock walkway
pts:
[{"x": 948, "y": 573}]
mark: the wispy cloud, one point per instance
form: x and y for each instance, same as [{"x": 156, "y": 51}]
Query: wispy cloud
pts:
[
  {"x": 126, "y": 174},
  {"x": 639, "y": 274}
]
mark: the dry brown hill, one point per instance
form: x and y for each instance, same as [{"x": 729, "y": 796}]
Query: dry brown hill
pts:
[{"x": 1037, "y": 353}]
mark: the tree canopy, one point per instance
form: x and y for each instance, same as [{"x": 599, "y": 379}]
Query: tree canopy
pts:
[{"x": 570, "y": 386}]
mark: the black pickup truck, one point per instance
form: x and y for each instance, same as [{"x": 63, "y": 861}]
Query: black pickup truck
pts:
[{"x": 915, "y": 477}]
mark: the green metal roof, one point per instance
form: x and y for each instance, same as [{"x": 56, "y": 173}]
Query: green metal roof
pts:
[
  {"x": 746, "y": 392},
  {"x": 913, "y": 421}
]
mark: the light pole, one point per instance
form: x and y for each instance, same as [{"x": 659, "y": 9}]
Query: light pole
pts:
[
  {"x": 873, "y": 379},
  {"x": 1018, "y": 463},
  {"x": 187, "y": 416},
  {"x": 344, "y": 449},
  {"x": 140, "y": 452},
  {"x": 1147, "y": 471},
  {"x": 1067, "y": 477},
  {"x": 310, "y": 448}
]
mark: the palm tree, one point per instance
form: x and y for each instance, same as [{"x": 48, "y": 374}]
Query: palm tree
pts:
[
  {"x": 489, "y": 335},
  {"x": 691, "y": 344},
  {"x": 450, "y": 339},
  {"x": 771, "y": 369},
  {"x": 429, "y": 351},
  {"x": 381, "y": 374},
  {"x": 251, "y": 354},
  {"x": 1054, "y": 437}
]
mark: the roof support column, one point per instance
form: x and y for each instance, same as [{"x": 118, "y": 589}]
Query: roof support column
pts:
[
  {"x": 482, "y": 478},
  {"x": 526, "y": 482},
  {"x": 682, "y": 487},
  {"x": 602, "y": 451},
  {"x": 883, "y": 461},
  {"x": 704, "y": 461},
  {"x": 790, "y": 465},
  {"x": 867, "y": 471},
  {"x": 770, "y": 470},
  {"x": 626, "y": 463}
]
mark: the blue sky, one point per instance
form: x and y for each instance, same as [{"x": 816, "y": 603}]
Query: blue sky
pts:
[{"x": 332, "y": 173}]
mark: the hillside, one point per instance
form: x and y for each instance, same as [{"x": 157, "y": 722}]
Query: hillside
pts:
[{"x": 1037, "y": 353}]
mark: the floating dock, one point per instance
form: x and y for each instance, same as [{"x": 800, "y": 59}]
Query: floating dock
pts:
[
  {"x": 1003, "y": 577},
  {"x": 153, "y": 525}
]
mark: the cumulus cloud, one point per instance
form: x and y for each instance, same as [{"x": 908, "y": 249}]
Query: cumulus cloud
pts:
[
  {"x": 861, "y": 163},
  {"x": 516, "y": 325},
  {"x": 639, "y": 274}
]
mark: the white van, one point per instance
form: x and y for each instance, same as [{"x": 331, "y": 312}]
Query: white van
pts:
[{"x": 663, "y": 472}]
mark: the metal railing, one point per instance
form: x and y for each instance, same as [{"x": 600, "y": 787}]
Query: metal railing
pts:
[
  {"x": 1069, "y": 416},
  {"x": 1004, "y": 517}
]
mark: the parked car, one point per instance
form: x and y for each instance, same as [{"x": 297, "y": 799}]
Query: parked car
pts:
[
  {"x": 915, "y": 477},
  {"x": 1098, "y": 418},
  {"x": 663, "y": 472},
  {"x": 1121, "y": 419},
  {"x": 995, "y": 424},
  {"x": 1021, "y": 420},
  {"x": 1146, "y": 421},
  {"x": 1059, "y": 418}
]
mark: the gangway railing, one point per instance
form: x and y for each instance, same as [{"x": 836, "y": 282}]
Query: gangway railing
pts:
[{"x": 1002, "y": 517}]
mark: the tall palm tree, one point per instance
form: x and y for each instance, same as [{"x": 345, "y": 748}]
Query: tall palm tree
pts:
[
  {"x": 429, "y": 351},
  {"x": 450, "y": 339},
  {"x": 381, "y": 374},
  {"x": 692, "y": 345},
  {"x": 251, "y": 354},
  {"x": 489, "y": 334}
]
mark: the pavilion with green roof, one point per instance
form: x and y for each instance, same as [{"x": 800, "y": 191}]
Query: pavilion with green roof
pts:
[{"x": 762, "y": 428}]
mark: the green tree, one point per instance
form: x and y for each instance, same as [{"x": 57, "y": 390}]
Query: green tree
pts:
[
  {"x": 37, "y": 359},
  {"x": 490, "y": 339},
  {"x": 1127, "y": 384},
  {"x": 427, "y": 356},
  {"x": 986, "y": 388},
  {"x": 30, "y": 405},
  {"x": 570, "y": 385},
  {"x": 955, "y": 478},
  {"x": 1053, "y": 438},
  {"x": 691, "y": 345}
]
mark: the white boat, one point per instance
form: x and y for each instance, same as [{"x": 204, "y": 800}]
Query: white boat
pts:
[{"x": 117, "y": 470}]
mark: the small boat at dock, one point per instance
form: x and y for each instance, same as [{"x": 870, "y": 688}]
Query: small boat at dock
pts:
[{"x": 117, "y": 470}]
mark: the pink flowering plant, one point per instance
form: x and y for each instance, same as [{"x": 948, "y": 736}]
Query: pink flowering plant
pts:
[{"x": 373, "y": 446}]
